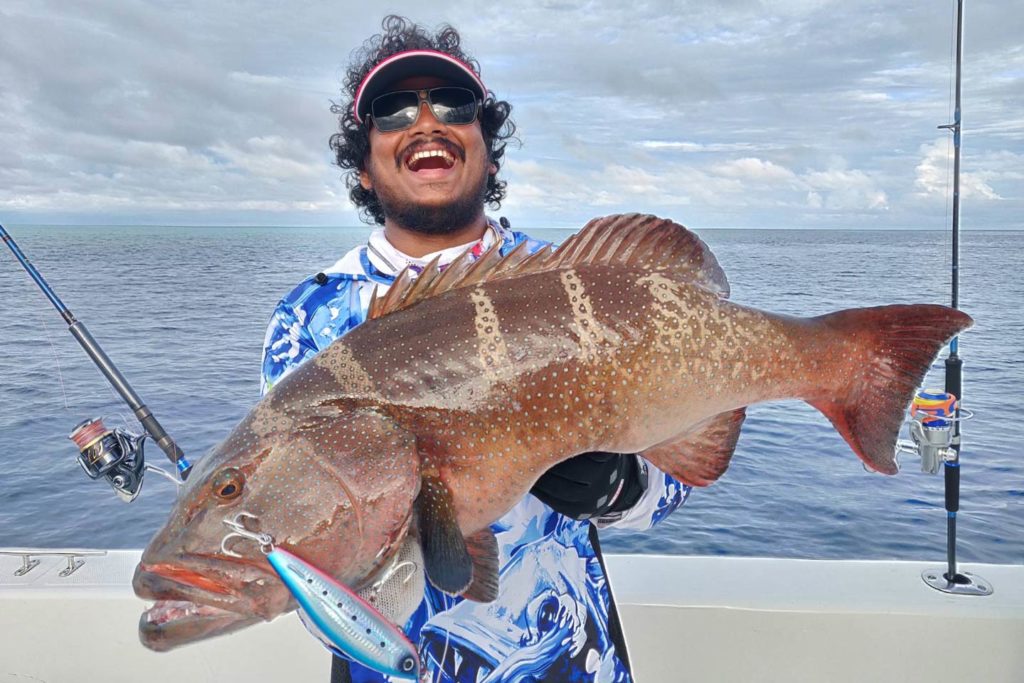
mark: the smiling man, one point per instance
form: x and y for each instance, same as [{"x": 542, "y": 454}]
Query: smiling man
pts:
[{"x": 422, "y": 140}]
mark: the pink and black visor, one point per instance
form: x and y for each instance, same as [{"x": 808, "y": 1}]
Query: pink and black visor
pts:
[{"x": 407, "y": 65}]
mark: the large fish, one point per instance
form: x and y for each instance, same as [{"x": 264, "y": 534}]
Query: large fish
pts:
[{"x": 432, "y": 419}]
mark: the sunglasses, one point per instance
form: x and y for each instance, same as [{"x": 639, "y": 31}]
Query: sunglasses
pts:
[{"x": 399, "y": 110}]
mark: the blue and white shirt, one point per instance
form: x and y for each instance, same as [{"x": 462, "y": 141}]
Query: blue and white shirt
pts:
[{"x": 550, "y": 621}]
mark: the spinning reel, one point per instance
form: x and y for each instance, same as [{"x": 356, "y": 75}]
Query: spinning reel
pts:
[
  {"x": 934, "y": 416},
  {"x": 116, "y": 455}
]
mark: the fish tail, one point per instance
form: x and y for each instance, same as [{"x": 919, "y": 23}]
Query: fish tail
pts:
[{"x": 883, "y": 355}]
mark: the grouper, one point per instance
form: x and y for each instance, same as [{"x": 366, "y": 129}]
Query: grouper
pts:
[{"x": 432, "y": 419}]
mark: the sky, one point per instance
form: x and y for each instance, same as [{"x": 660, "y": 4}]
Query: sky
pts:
[{"x": 784, "y": 114}]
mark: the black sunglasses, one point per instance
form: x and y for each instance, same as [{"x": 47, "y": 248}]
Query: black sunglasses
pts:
[{"x": 398, "y": 110}]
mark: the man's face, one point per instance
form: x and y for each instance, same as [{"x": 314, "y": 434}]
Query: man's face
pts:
[{"x": 429, "y": 193}]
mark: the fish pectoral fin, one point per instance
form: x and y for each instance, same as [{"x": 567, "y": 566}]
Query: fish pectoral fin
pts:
[
  {"x": 483, "y": 549},
  {"x": 445, "y": 555},
  {"x": 700, "y": 455}
]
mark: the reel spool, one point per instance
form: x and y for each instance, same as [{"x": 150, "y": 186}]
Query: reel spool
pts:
[{"x": 933, "y": 414}]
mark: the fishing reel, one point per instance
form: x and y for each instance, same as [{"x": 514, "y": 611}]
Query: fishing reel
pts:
[
  {"x": 114, "y": 454},
  {"x": 933, "y": 415}
]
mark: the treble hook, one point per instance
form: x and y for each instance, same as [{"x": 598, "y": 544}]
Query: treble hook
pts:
[
  {"x": 237, "y": 526},
  {"x": 377, "y": 585}
]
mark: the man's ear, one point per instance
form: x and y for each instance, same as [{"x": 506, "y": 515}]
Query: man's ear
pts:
[
  {"x": 493, "y": 170},
  {"x": 364, "y": 180}
]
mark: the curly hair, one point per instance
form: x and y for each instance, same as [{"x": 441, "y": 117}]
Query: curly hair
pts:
[{"x": 351, "y": 146}]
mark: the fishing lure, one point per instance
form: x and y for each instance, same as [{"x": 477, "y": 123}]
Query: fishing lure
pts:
[
  {"x": 351, "y": 624},
  {"x": 340, "y": 618}
]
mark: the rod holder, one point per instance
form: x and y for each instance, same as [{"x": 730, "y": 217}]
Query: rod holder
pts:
[{"x": 964, "y": 583}]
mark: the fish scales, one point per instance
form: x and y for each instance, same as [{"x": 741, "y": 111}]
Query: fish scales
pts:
[
  {"x": 597, "y": 348},
  {"x": 434, "y": 417}
]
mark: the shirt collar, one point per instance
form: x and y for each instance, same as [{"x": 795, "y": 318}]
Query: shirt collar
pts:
[{"x": 389, "y": 260}]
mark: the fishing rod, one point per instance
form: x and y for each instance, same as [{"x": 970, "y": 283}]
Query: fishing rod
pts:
[
  {"x": 936, "y": 416},
  {"x": 114, "y": 454},
  {"x": 953, "y": 581}
]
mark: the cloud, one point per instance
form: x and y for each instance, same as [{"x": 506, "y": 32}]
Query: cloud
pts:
[
  {"x": 846, "y": 190},
  {"x": 754, "y": 170},
  {"x": 710, "y": 194},
  {"x": 734, "y": 112},
  {"x": 934, "y": 174}
]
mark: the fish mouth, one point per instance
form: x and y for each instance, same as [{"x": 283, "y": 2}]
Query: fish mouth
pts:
[
  {"x": 171, "y": 623},
  {"x": 191, "y": 606}
]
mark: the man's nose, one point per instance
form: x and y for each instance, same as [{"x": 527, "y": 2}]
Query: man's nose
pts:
[{"x": 426, "y": 122}]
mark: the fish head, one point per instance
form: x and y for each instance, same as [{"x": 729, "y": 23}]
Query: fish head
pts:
[{"x": 337, "y": 490}]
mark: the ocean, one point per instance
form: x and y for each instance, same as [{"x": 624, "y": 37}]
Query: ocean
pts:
[{"x": 182, "y": 312}]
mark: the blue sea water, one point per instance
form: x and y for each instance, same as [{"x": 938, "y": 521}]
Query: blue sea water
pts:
[{"x": 182, "y": 312}]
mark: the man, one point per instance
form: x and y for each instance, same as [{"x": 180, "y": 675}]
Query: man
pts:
[{"x": 422, "y": 140}]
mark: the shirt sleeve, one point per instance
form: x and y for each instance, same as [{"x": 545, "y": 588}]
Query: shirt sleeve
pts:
[
  {"x": 662, "y": 495},
  {"x": 287, "y": 344}
]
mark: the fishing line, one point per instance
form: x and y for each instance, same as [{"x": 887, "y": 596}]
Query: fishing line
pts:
[
  {"x": 439, "y": 669},
  {"x": 56, "y": 360},
  {"x": 950, "y": 96},
  {"x": 444, "y": 653},
  {"x": 952, "y": 60},
  {"x": 126, "y": 421}
]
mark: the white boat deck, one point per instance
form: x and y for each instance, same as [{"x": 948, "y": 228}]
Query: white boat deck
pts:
[{"x": 686, "y": 619}]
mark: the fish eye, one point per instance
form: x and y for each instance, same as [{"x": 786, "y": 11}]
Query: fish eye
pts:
[{"x": 228, "y": 484}]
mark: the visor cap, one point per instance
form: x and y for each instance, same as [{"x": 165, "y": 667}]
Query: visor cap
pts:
[{"x": 412, "y": 63}]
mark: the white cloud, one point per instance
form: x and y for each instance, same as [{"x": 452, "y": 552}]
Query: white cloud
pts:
[
  {"x": 710, "y": 194},
  {"x": 735, "y": 113},
  {"x": 272, "y": 158},
  {"x": 750, "y": 169},
  {"x": 846, "y": 190},
  {"x": 934, "y": 174}
]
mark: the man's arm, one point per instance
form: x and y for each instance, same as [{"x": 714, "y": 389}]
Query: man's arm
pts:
[{"x": 286, "y": 345}]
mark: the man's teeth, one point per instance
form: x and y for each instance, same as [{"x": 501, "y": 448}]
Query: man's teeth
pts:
[{"x": 426, "y": 154}]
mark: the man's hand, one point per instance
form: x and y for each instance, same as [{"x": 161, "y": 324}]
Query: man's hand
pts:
[{"x": 591, "y": 485}]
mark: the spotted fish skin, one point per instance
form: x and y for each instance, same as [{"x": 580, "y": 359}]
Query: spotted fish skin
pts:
[
  {"x": 440, "y": 412},
  {"x": 591, "y": 358}
]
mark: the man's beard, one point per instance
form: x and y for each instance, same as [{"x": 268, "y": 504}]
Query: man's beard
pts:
[{"x": 435, "y": 220}]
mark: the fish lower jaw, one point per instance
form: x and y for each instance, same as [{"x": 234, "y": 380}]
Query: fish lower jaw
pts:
[
  {"x": 171, "y": 623},
  {"x": 165, "y": 611}
]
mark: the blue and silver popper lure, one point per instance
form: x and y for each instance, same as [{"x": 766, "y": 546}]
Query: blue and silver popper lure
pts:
[
  {"x": 341, "y": 619},
  {"x": 350, "y": 623}
]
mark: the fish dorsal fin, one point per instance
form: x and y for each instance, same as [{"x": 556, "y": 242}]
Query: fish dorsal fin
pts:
[
  {"x": 644, "y": 241},
  {"x": 648, "y": 242}
]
